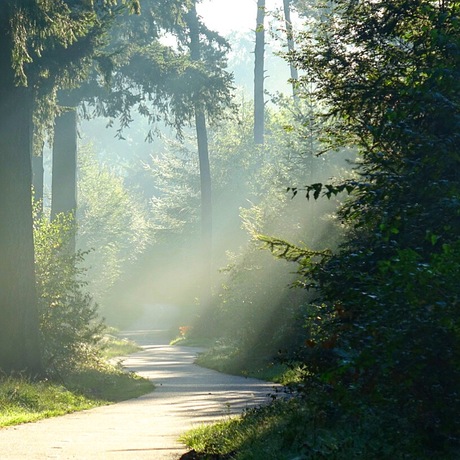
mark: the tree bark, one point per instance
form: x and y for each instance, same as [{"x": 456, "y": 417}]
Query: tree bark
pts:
[
  {"x": 259, "y": 75},
  {"x": 38, "y": 174},
  {"x": 206, "y": 197},
  {"x": 64, "y": 177},
  {"x": 19, "y": 324},
  {"x": 205, "y": 171},
  {"x": 290, "y": 42}
]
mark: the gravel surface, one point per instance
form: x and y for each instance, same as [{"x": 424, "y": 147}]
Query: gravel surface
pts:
[{"x": 185, "y": 396}]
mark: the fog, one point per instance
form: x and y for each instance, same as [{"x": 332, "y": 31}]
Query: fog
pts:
[
  {"x": 139, "y": 214},
  {"x": 145, "y": 268}
]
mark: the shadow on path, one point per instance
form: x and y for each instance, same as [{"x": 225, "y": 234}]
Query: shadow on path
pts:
[{"x": 147, "y": 427}]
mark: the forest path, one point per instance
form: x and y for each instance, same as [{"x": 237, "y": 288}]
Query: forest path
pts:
[{"x": 186, "y": 395}]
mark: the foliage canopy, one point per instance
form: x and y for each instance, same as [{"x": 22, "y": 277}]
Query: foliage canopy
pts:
[{"x": 384, "y": 331}]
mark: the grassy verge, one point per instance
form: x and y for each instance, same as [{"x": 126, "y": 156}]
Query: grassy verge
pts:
[
  {"x": 113, "y": 346},
  {"x": 22, "y": 400},
  {"x": 293, "y": 430},
  {"x": 273, "y": 432},
  {"x": 229, "y": 360},
  {"x": 193, "y": 342}
]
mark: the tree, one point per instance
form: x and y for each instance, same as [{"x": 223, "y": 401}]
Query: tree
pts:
[
  {"x": 205, "y": 172},
  {"x": 384, "y": 334},
  {"x": 30, "y": 32},
  {"x": 69, "y": 324},
  {"x": 174, "y": 85},
  {"x": 19, "y": 337},
  {"x": 64, "y": 178},
  {"x": 82, "y": 80},
  {"x": 113, "y": 226},
  {"x": 38, "y": 176},
  {"x": 101, "y": 51},
  {"x": 290, "y": 42},
  {"x": 143, "y": 72},
  {"x": 249, "y": 197},
  {"x": 195, "y": 88},
  {"x": 259, "y": 75}
]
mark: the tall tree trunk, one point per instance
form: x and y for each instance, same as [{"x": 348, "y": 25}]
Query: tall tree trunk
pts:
[
  {"x": 38, "y": 174},
  {"x": 205, "y": 171},
  {"x": 19, "y": 323},
  {"x": 290, "y": 42},
  {"x": 64, "y": 177},
  {"x": 205, "y": 178},
  {"x": 259, "y": 75}
]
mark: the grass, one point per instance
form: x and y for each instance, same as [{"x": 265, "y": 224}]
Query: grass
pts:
[
  {"x": 22, "y": 400},
  {"x": 314, "y": 427},
  {"x": 266, "y": 433},
  {"x": 108, "y": 384},
  {"x": 273, "y": 432},
  {"x": 292, "y": 430},
  {"x": 113, "y": 346},
  {"x": 98, "y": 384},
  {"x": 228, "y": 359},
  {"x": 193, "y": 342}
]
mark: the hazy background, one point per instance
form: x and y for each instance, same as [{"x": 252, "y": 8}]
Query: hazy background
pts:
[{"x": 139, "y": 202}]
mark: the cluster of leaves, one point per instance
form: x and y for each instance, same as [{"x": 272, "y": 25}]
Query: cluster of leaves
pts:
[
  {"x": 380, "y": 363},
  {"x": 69, "y": 323},
  {"x": 382, "y": 344},
  {"x": 254, "y": 306},
  {"x": 53, "y": 47},
  {"x": 384, "y": 335},
  {"x": 259, "y": 310},
  {"x": 161, "y": 81},
  {"x": 113, "y": 224}
]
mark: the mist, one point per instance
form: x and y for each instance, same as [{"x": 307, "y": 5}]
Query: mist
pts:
[
  {"x": 138, "y": 214},
  {"x": 146, "y": 272}
]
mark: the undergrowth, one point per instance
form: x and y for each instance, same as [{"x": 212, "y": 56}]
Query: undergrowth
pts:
[
  {"x": 23, "y": 400},
  {"x": 229, "y": 359},
  {"x": 294, "y": 430},
  {"x": 112, "y": 346},
  {"x": 95, "y": 383}
]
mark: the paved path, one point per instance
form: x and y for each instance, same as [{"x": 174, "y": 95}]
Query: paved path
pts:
[{"x": 144, "y": 428}]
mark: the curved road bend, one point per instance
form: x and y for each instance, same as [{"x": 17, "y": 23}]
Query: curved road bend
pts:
[{"x": 186, "y": 395}]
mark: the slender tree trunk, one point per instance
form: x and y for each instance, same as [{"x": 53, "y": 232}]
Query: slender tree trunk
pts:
[
  {"x": 259, "y": 75},
  {"x": 205, "y": 171},
  {"x": 64, "y": 177},
  {"x": 290, "y": 42},
  {"x": 19, "y": 324},
  {"x": 38, "y": 174},
  {"x": 205, "y": 178}
]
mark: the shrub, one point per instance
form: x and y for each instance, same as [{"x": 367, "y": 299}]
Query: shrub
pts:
[{"x": 70, "y": 327}]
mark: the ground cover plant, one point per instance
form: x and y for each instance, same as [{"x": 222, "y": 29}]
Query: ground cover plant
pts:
[
  {"x": 112, "y": 345},
  {"x": 287, "y": 430},
  {"x": 23, "y": 400},
  {"x": 227, "y": 359}
]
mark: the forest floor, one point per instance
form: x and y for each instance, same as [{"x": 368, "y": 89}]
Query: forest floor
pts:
[{"x": 185, "y": 396}]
